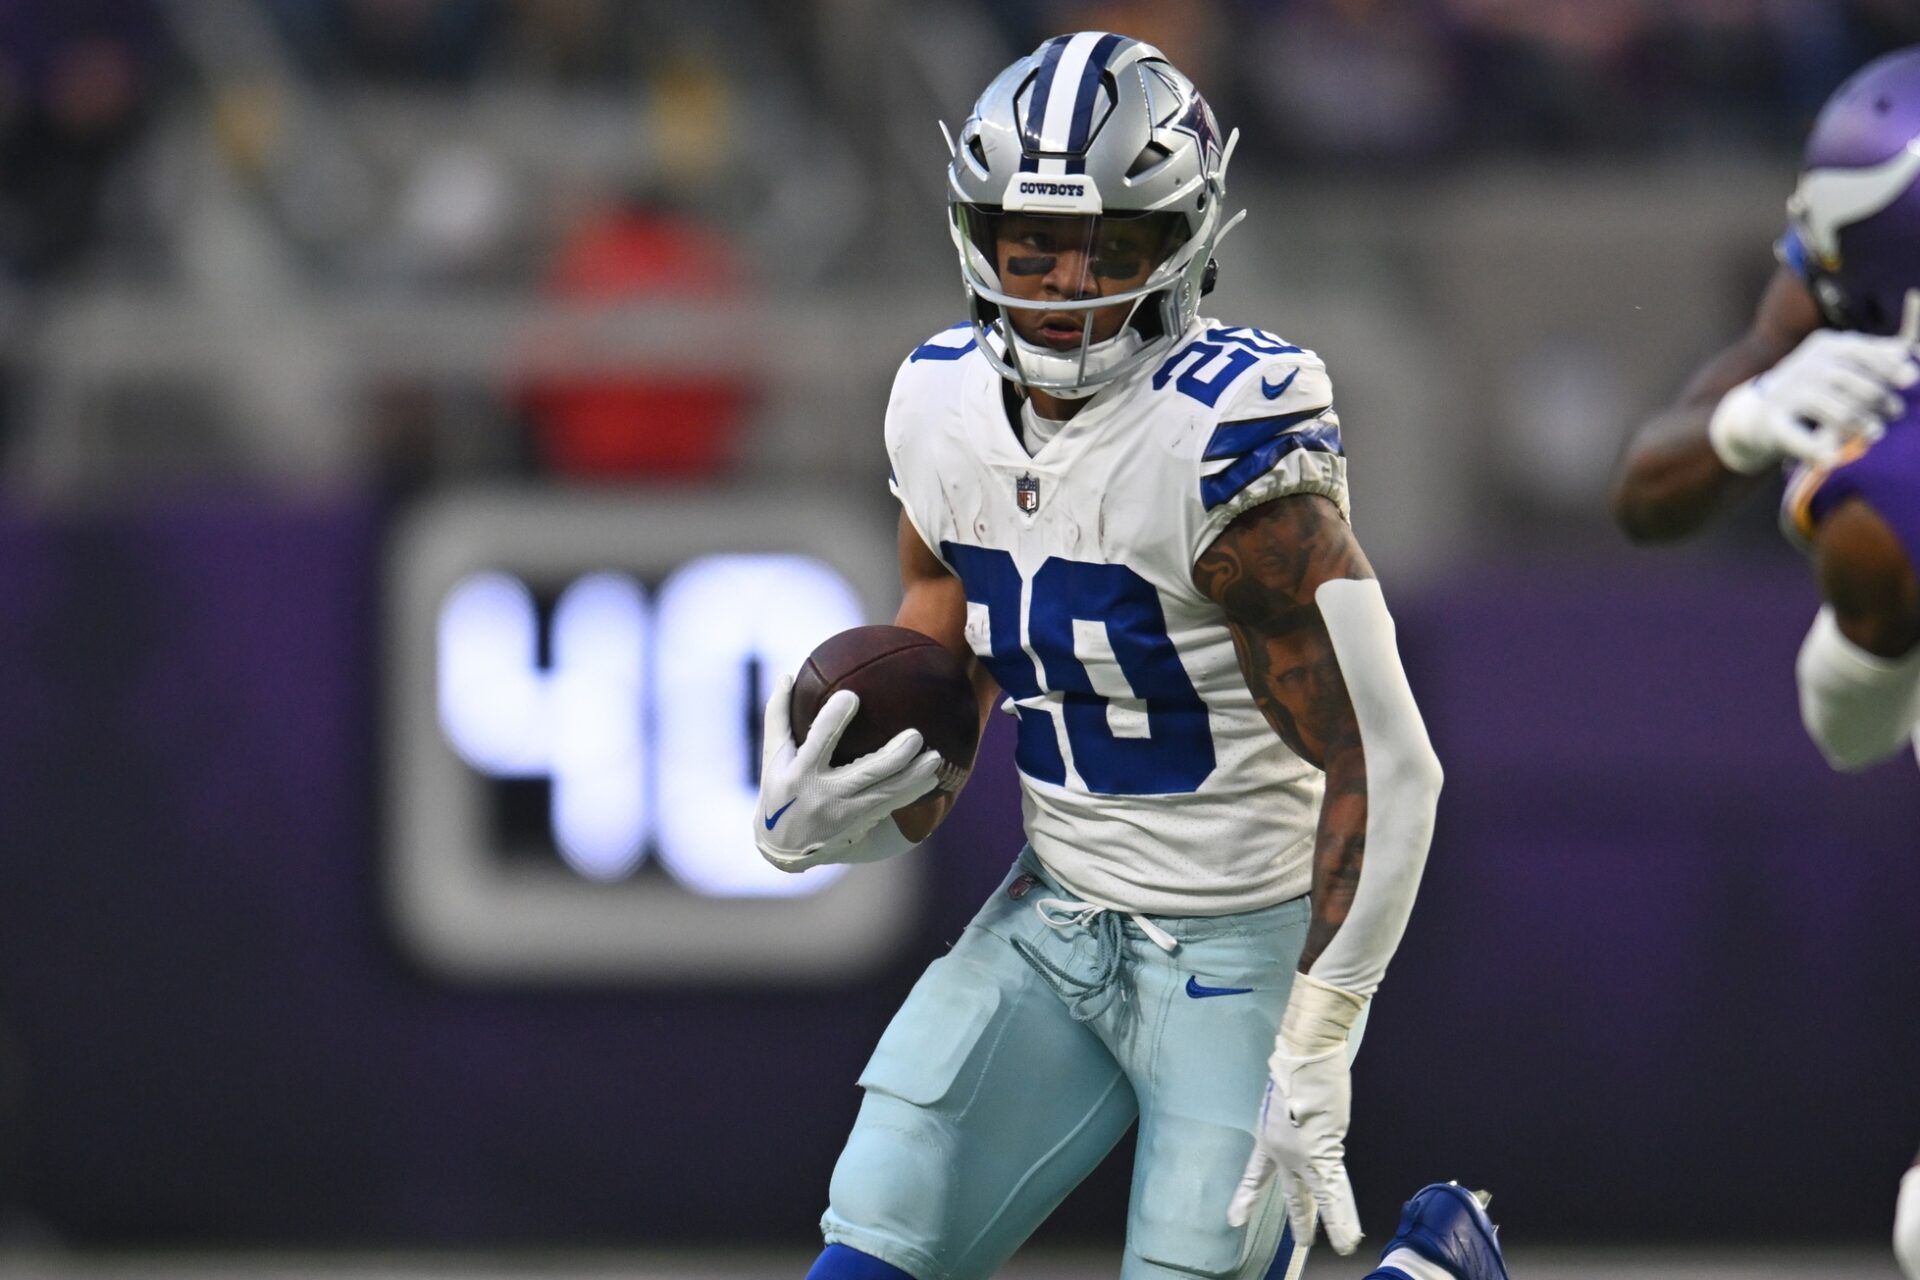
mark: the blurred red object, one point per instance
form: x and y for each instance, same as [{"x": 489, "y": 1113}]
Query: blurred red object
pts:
[{"x": 653, "y": 424}]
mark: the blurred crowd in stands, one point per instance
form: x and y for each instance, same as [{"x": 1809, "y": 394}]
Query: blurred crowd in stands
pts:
[
  {"x": 606, "y": 151},
  {"x": 1355, "y": 81},
  {"x": 1334, "y": 82},
  {"x": 76, "y": 83},
  {"x": 1334, "y": 79}
]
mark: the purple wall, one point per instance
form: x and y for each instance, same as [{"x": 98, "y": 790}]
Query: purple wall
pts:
[{"x": 1664, "y": 971}]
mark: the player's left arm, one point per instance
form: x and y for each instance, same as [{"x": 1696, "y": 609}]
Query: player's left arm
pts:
[
  {"x": 1859, "y": 668},
  {"x": 1316, "y": 645},
  {"x": 1317, "y": 648},
  {"x": 1263, "y": 571}
]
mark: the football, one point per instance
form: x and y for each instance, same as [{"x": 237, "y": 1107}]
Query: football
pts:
[{"x": 905, "y": 680}]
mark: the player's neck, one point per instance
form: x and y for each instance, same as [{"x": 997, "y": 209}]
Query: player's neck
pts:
[{"x": 1055, "y": 408}]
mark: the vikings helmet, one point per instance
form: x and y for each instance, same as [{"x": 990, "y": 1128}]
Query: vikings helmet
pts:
[
  {"x": 1855, "y": 218},
  {"x": 1097, "y": 127}
]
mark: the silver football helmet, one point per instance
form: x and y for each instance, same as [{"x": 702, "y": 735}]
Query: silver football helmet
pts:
[{"x": 1091, "y": 128}]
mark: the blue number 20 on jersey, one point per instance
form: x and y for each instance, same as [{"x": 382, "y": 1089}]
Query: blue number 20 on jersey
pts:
[{"x": 1174, "y": 757}]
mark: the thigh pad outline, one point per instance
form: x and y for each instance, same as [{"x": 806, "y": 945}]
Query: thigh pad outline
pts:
[{"x": 934, "y": 1036}]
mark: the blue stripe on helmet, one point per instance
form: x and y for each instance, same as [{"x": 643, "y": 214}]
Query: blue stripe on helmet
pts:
[
  {"x": 1077, "y": 136},
  {"x": 1042, "y": 89},
  {"x": 1089, "y": 92}
]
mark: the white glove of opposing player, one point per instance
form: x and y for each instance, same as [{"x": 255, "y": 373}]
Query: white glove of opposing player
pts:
[
  {"x": 1833, "y": 387},
  {"x": 1302, "y": 1131},
  {"x": 810, "y": 811},
  {"x": 1906, "y": 1224}
]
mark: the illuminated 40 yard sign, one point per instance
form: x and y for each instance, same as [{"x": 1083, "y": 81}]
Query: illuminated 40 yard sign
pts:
[{"x": 575, "y": 687}]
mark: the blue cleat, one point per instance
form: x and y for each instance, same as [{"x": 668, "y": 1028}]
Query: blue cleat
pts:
[{"x": 1448, "y": 1226}]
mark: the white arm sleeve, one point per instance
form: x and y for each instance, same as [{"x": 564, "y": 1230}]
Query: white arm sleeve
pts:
[
  {"x": 1906, "y": 1224},
  {"x": 1859, "y": 708},
  {"x": 1403, "y": 785}
]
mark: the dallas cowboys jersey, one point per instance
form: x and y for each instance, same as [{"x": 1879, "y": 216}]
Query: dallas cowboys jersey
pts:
[{"x": 1150, "y": 780}]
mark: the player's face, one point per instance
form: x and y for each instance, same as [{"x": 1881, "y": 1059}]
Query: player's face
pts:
[{"x": 1073, "y": 259}]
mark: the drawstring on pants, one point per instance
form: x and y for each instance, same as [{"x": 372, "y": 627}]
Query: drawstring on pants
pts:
[{"x": 1110, "y": 949}]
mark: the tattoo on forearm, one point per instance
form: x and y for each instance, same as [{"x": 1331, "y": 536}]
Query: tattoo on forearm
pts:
[
  {"x": 1339, "y": 849},
  {"x": 1263, "y": 571}
]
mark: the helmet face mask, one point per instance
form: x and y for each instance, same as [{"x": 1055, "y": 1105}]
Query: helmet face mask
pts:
[
  {"x": 1108, "y": 159},
  {"x": 1070, "y": 294}
]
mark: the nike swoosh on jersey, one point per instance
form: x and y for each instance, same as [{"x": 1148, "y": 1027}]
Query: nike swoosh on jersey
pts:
[
  {"x": 1272, "y": 392},
  {"x": 775, "y": 815},
  {"x": 1199, "y": 992}
]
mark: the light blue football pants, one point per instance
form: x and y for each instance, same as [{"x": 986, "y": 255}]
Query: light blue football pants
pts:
[{"x": 1023, "y": 1054}]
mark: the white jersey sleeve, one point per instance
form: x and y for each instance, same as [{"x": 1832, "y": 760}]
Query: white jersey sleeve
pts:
[
  {"x": 1277, "y": 435},
  {"x": 922, "y": 408}
]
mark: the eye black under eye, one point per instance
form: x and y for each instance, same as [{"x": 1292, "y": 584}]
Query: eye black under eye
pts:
[{"x": 1029, "y": 265}]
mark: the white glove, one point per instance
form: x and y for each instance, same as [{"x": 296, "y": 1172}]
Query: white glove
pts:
[
  {"x": 1302, "y": 1130},
  {"x": 811, "y": 812},
  {"x": 1833, "y": 387}
]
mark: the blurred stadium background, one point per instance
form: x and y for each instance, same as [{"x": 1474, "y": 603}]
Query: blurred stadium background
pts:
[{"x": 396, "y": 395}]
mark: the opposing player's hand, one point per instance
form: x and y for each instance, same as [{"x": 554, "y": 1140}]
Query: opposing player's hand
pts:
[
  {"x": 1906, "y": 1224},
  {"x": 811, "y": 811},
  {"x": 1301, "y": 1140},
  {"x": 1832, "y": 388}
]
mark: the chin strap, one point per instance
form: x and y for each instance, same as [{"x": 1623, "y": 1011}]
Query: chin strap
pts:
[{"x": 1096, "y": 359}]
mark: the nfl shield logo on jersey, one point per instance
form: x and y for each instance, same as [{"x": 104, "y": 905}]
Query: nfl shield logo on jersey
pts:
[{"x": 1026, "y": 494}]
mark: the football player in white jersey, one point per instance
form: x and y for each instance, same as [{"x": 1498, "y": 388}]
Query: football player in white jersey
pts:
[
  {"x": 1131, "y": 522},
  {"x": 1824, "y": 382}
]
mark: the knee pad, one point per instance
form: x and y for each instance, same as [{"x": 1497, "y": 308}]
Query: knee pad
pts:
[
  {"x": 893, "y": 1174},
  {"x": 1185, "y": 1175},
  {"x": 838, "y": 1262}
]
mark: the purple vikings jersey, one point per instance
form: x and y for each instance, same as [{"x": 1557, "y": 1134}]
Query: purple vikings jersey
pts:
[{"x": 1885, "y": 475}]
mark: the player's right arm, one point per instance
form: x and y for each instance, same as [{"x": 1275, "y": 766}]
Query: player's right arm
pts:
[
  {"x": 934, "y": 603},
  {"x": 1670, "y": 480},
  {"x": 813, "y": 812}
]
